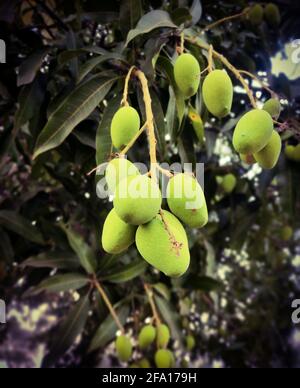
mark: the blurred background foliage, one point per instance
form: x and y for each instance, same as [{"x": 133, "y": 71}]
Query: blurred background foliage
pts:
[{"x": 236, "y": 297}]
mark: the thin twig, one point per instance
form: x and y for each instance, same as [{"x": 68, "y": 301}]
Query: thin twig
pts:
[
  {"x": 124, "y": 101},
  {"x": 226, "y": 19},
  {"x": 210, "y": 59},
  {"x": 149, "y": 293},
  {"x": 134, "y": 139},
  {"x": 263, "y": 85}
]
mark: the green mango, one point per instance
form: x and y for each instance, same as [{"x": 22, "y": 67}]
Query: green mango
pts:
[
  {"x": 117, "y": 236},
  {"x": 164, "y": 358},
  {"x": 147, "y": 336},
  {"x": 273, "y": 107},
  {"x": 137, "y": 200},
  {"x": 293, "y": 152},
  {"x": 190, "y": 342},
  {"x": 163, "y": 335},
  {"x": 268, "y": 157},
  {"x": 187, "y": 74},
  {"x": 229, "y": 183},
  {"x": 118, "y": 169},
  {"x": 256, "y": 15},
  {"x": 287, "y": 233},
  {"x": 218, "y": 93},
  {"x": 272, "y": 15},
  {"x": 125, "y": 125},
  {"x": 123, "y": 348},
  {"x": 163, "y": 244},
  {"x": 253, "y": 132},
  {"x": 187, "y": 201}
]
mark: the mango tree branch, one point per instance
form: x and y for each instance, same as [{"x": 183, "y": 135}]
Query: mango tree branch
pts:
[
  {"x": 263, "y": 85},
  {"x": 134, "y": 139},
  {"x": 149, "y": 293},
  {"x": 227, "y": 19},
  {"x": 124, "y": 101}
]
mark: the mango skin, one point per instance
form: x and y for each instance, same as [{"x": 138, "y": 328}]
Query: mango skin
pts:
[
  {"x": 229, "y": 183},
  {"x": 164, "y": 246},
  {"x": 186, "y": 200},
  {"x": 272, "y": 15},
  {"x": 118, "y": 169},
  {"x": 190, "y": 342},
  {"x": 187, "y": 74},
  {"x": 268, "y": 157},
  {"x": 147, "y": 336},
  {"x": 256, "y": 15},
  {"x": 144, "y": 363},
  {"x": 253, "y": 132},
  {"x": 123, "y": 348},
  {"x": 125, "y": 125},
  {"x": 218, "y": 93},
  {"x": 293, "y": 152},
  {"x": 163, "y": 335},
  {"x": 248, "y": 159},
  {"x": 137, "y": 200},
  {"x": 117, "y": 236},
  {"x": 164, "y": 358},
  {"x": 273, "y": 107}
]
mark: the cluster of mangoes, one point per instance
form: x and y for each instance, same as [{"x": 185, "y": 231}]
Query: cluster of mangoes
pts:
[{"x": 270, "y": 12}]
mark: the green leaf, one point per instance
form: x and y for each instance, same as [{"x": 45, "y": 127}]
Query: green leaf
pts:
[
  {"x": 128, "y": 272},
  {"x": 84, "y": 252},
  {"x": 103, "y": 138},
  {"x": 20, "y": 225},
  {"x": 77, "y": 107},
  {"x": 130, "y": 13},
  {"x": 196, "y": 11},
  {"x": 69, "y": 330},
  {"x": 170, "y": 317},
  {"x": 203, "y": 283},
  {"x": 107, "y": 330},
  {"x": 61, "y": 283},
  {"x": 59, "y": 260},
  {"x": 68, "y": 55},
  {"x": 166, "y": 66},
  {"x": 30, "y": 67},
  {"x": 149, "y": 22}
]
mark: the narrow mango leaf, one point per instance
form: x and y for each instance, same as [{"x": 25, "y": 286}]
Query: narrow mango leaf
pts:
[
  {"x": 103, "y": 138},
  {"x": 128, "y": 272},
  {"x": 68, "y": 55},
  {"x": 149, "y": 22},
  {"x": 59, "y": 260},
  {"x": 61, "y": 283},
  {"x": 71, "y": 327},
  {"x": 20, "y": 225},
  {"x": 166, "y": 67},
  {"x": 30, "y": 67},
  {"x": 130, "y": 13},
  {"x": 107, "y": 330},
  {"x": 77, "y": 107},
  {"x": 196, "y": 11},
  {"x": 85, "y": 254},
  {"x": 197, "y": 124}
]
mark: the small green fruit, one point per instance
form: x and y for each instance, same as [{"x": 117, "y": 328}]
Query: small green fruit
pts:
[
  {"x": 272, "y": 15},
  {"x": 293, "y": 153},
  {"x": 144, "y": 363},
  {"x": 253, "y": 132},
  {"x": 187, "y": 201},
  {"x": 190, "y": 342},
  {"x": 268, "y": 157},
  {"x": 248, "y": 159},
  {"x": 125, "y": 125},
  {"x": 164, "y": 358},
  {"x": 137, "y": 200},
  {"x": 163, "y": 335},
  {"x": 163, "y": 244},
  {"x": 218, "y": 93},
  {"x": 123, "y": 348},
  {"x": 187, "y": 74},
  {"x": 117, "y": 236},
  {"x": 273, "y": 107},
  {"x": 256, "y": 15},
  {"x": 117, "y": 170},
  {"x": 287, "y": 233},
  {"x": 147, "y": 336},
  {"x": 229, "y": 183}
]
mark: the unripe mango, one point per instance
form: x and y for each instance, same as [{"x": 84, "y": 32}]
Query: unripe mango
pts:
[
  {"x": 190, "y": 342},
  {"x": 187, "y": 74},
  {"x": 137, "y": 200},
  {"x": 287, "y": 233},
  {"x": 273, "y": 107},
  {"x": 164, "y": 358},
  {"x": 256, "y": 15},
  {"x": 187, "y": 201},
  {"x": 147, "y": 336},
  {"x": 163, "y": 335},
  {"x": 253, "y": 132},
  {"x": 144, "y": 363},
  {"x": 248, "y": 159},
  {"x": 163, "y": 244},
  {"x": 293, "y": 152},
  {"x": 125, "y": 125},
  {"x": 268, "y": 157},
  {"x": 272, "y": 15},
  {"x": 117, "y": 170},
  {"x": 229, "y": 183},
  {"x": 218, "y": 93},
  {"x": 124, "y": 348},
  {"x": 117, "y": 236}
]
